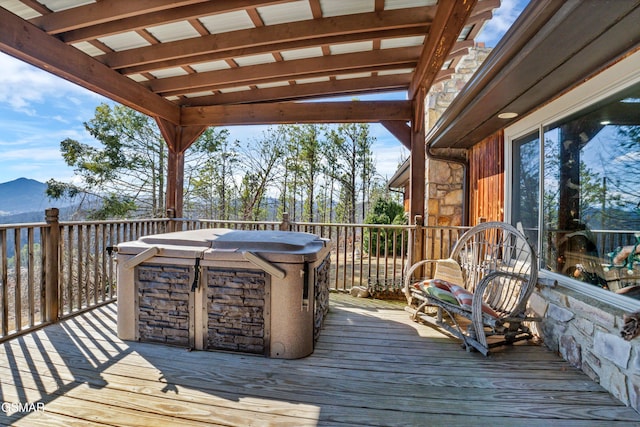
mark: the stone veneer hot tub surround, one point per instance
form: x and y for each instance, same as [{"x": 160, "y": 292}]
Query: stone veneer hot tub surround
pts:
[{"x": 261, "y": 292}]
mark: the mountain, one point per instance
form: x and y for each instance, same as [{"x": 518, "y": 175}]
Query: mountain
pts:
[{"x": 23, "y": 195}]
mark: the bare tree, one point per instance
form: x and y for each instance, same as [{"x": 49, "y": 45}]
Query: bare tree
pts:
[{"x": 261, "y": 162}]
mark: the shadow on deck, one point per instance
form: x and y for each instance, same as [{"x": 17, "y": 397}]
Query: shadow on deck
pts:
[{"x": 371, "y": 366}]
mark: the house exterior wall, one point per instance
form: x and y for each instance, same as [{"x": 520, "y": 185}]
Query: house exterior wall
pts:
[
  {"x": 486, "y": 180},
  {"x": 444, "y": 192},
  {"x": 442, "y": 93},
  {"x": 580, "y": 322}
]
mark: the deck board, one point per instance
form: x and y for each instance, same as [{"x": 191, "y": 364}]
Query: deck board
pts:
[{"x": 371, "y": 366}]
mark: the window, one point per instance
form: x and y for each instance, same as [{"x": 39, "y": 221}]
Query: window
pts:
[
  {"x": 526, "y": 185},
  {"x": 575, "y": 186}
]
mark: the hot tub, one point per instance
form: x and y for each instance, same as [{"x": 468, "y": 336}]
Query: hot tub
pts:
[{"x": 261, "y": 292}]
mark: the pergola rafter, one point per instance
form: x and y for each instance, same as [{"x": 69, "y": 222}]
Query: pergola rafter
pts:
[{"x": 191, "y": 64}]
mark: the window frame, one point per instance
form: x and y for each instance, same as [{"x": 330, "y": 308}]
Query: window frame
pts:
[{"x": 620, "y": 76}]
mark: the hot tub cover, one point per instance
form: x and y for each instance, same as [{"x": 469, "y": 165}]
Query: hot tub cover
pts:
[{"x": 219, "y": 243}]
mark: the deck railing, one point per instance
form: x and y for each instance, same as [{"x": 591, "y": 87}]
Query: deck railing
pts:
[
  {"x": 54, "y": 269},
  {"x": 369, "y": 255}
]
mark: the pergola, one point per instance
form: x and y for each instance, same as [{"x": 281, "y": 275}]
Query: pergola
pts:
[{"x": 192, "y": 64}]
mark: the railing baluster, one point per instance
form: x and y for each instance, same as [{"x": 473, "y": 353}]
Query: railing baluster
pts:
[
  {"x": 30, "y": 277},
  {"x": 4, "y": 282},
  {"x": 111, "y": 275},
  {"x": 17, "y": 266},
  {"x": 361, "y": 269},
  {"x": 69, "y": 253},
  {"x": 337, "y": 261},
  {"x": 96, "y": 262},
  {"x": 369, "y": 247},
  {"x": 344, "y": 257},
  {"x": 43, "y": 285},
  {"x": 352, "y": 245}
]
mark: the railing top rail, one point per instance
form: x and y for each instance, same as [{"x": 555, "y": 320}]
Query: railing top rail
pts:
[
  {"x": 275, "y": 223},
  {"x": 115, "y": 221},
  {"x": 406, "y": 226},
  {"x": 233, "y": 221},
  {"x": 73, "y": 223},
  {"x": 23, "y": 225},
  {"x": 615, "y": 231}
]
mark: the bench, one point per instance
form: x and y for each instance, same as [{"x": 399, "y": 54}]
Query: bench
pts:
[{"x": 481, "y": 291}]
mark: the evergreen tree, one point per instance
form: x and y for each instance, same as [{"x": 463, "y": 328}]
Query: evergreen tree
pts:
[{"x": 126, "y": 174}]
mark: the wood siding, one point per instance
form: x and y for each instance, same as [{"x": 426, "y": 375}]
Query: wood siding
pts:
[{"x": 486, "y": 180}]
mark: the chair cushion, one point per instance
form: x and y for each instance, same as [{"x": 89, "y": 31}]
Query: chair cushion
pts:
[
  {"x": 451, "y": 293},
  {"x": 430, "y": 288},
  {"x": 449, "y": 270},
  {"x": 465, "y": 299}
]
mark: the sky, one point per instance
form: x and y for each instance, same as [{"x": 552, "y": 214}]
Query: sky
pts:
[{"x": 39, "y": 110}]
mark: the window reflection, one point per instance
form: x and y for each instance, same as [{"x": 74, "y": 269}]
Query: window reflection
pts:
[
  {"x": 526, "y": 186},
  {"x": 591, "y": 197}
]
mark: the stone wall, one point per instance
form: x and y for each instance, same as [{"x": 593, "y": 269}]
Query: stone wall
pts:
[
  {"x": 445, "y": 180},
  {"x": 163, "y": 295},
  {"x": 442, "y": 93},
  {"x": 444, "y": 193},
  {"x": 586, "y": 333},
  {"x": 236, "y": 306}
]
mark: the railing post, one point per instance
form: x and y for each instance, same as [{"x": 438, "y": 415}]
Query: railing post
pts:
[
  {"x": 417, "y": 244},
  {"x": 417, "y": 249},
  {"x": 285, "y": 225},
  {"x": 52, "y": 264},
  {"x": 171, "y": 225}
]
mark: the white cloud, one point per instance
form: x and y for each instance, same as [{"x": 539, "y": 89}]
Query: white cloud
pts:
[
  {"x": 24, "y": 87},
  {"x": 26, "y": 154},
  {"x": 388, "y": 158},
  {"x": 503, "y": 18},
  {"x": 247, "y": 134}
]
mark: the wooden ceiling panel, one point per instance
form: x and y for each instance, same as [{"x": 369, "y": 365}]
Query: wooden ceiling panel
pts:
[
  {"x": 181, "y": 54},
  {"x": 101, "y": 12},
  {"x": 286, "y": 70},
  {"x": 175, "y": 14},
  {"x": 268, "y": 36}
]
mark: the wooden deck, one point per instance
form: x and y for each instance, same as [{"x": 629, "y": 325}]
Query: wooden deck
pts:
[{"x": 372, "y": 366}]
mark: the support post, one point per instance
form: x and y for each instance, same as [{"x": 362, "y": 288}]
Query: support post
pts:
[
  {"x": 175, "y": 183},
  {"x": 51, "y": 265},
  {"x": 417, "y": 175},
  {"x": 178, "y": 139}
]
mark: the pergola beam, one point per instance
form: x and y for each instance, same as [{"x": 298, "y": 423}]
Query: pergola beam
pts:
[
  {"x": 283, "y": 71},
  {"x": 449, "y": 21},
  {"x": 94, "y": 14},
  {"x": 343, "y": 87},
  {"x": 294, "y": 112},
  {"x": 134, "y": 15},
  {"x": 400, "y": 129},
  {"x": 30, "y": 44}
]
